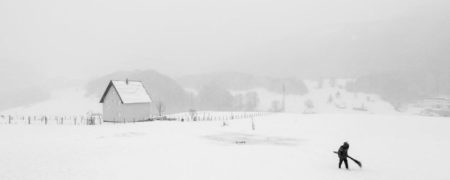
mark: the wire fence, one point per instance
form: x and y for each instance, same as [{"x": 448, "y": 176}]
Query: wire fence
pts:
[
  {"x": 96, "y": 119},
  {"x": 214, "y": 116},
  {"x": 50, "y": 120}
]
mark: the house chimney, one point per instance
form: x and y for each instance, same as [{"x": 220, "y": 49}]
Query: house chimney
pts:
[{"x": 127, "y": 81}]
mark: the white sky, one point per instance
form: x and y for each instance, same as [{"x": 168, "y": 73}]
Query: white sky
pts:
[{"x": 88, "y": 38}]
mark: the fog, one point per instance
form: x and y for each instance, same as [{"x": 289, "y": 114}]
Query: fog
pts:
[
  {"x": 47, "y": 41},
  {"x": 83, "y": 39}
]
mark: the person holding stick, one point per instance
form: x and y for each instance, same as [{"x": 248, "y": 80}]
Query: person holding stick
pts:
[{"x": 343, "y": 154}]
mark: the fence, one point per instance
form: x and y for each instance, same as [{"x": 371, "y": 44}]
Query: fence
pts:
[
  {"x": 50, "y": 120},
  {"x": 215, "y": 116},
  {"x": 97, "y": 120}
]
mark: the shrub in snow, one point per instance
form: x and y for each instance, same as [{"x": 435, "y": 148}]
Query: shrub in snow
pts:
[
  {"x": 276, "y": 106},
  {"x": 338, "y": 95},
  {"x": 309, "y": 104},
  {"x": 330, "y": 99}
]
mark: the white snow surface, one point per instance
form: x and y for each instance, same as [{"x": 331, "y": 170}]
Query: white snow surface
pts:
[
  {"x": 283, "y": 146},
  {"x": 132, "y": 92}
]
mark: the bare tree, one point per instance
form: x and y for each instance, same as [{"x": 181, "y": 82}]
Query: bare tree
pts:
[
  {"x": 160, "y": 107},
  {"x": 193, "y": 114},
  {"x": 238, "y": 102},
  {"x": 252, "y": 101},
  {"x": 333, "y": 82}
]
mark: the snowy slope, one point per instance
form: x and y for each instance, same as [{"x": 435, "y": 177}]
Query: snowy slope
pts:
[
  {"x": 283, "y": 146},
  {"x": 342, "y": 101},
  {"x": 72, "y": 101},
  {"x": 67, "y": 101}
]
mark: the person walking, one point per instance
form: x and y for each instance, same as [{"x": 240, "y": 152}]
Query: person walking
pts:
[{"x": 343, "y": 154}]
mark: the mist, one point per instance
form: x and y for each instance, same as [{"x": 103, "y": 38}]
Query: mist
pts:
[
  {"x": 48, "y": 44},
  {"x": 224, "y": 89},
  {"x": 85, "y": 39}
]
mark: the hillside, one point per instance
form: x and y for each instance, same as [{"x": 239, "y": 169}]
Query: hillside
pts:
[
  {"x": 326, "y": 96},
  {"x": 241, "y": 81},
  {"x": 401, "y": 88},
  {"x": 20, "y": 85},
  {"x": 62, "y": 102}
]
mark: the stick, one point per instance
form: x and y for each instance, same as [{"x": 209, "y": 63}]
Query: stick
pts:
[{"x": 353, "y": 159}]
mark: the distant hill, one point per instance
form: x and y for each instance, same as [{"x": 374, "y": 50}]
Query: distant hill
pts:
[
  {"x": 400, "y": 88},
  {"x": 214, "y": 89},
  {"x": 324, "y": 96},
  {"x": 21, "y": 86},
  {"x": 11, "y": 98},
  {"x": 161, "y": 88},
  {"x": 241, "y": 81}
]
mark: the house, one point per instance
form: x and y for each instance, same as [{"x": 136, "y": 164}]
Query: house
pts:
[{"x": 126, "y": 101}]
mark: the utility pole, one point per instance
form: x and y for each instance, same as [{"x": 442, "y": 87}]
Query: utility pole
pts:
[{"x": 283, "y": 105}]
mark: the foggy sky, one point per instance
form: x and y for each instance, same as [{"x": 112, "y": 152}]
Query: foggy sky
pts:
[{"x": 88, "y": 38}]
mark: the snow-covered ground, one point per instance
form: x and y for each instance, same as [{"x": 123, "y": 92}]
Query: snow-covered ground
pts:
[{"x": 283, "y": 146}]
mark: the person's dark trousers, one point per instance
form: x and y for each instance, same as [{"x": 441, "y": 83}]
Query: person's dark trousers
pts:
[{"x": 345, "y": 161}]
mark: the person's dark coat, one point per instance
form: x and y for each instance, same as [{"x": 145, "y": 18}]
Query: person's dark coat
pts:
[{"x": 343, "y": 151}]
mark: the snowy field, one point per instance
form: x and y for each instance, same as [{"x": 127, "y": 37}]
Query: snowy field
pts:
[{"x": 283, "y": 146}]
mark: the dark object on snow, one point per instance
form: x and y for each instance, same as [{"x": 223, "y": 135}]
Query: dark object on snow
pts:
[
  {"x": 356, "y": 161},
  {"x": 343, "y": 154},
  {"x": 353, "y": 159},
  {"x": 343, "y": 151},
  {"x": 343, "y": 160}
]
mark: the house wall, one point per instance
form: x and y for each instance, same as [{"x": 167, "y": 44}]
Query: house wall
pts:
[{"x": 115, "y": 111}]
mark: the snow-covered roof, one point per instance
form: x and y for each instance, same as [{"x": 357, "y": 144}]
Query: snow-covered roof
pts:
[{"x": 129, "y": 92}]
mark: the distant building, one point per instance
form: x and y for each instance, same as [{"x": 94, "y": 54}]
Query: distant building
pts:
[{"x": 126, "y": 101}]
